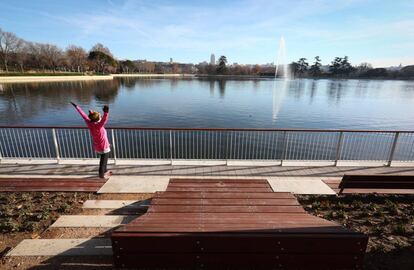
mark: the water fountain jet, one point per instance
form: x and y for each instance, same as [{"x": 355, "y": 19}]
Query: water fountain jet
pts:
[{"x": 281, "y": 64}]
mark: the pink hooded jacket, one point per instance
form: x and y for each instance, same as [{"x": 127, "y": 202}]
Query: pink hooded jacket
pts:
[{"x": 98, "y": 132}]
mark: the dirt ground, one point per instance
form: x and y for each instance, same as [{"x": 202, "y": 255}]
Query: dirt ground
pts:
[
  {"x": 28, "y": 215},
  {"x": 387, "y": 220}
]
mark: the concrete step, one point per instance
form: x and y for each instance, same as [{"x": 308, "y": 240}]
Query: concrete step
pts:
[
  {"x": 95, "y": 221},
  {"x": 115, "y": 204},
  {"x": 63, "y": 247},
  {"x": 300, "y": 185},
  {"x": 135, "y": 184}
]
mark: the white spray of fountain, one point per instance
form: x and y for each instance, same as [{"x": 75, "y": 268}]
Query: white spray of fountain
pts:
[
  {"x": 283, "y": 66},
  {"x": 281, "y": 61}
]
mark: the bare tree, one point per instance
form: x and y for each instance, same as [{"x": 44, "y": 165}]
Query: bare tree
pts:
[
  {"x": 23, "y": 54},
  {"x": 9, "y": 43},
  {"x": 77, "y": 58},
  {"x": 34, "y": 56},
  {"x": 256, "y": 69},
  {"x": 51, "y": 56}
]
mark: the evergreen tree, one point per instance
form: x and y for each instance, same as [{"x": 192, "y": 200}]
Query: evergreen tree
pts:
[
  {"x": 315, "y": 69},
  {"x": 222, "y": 68},
  {"x": 302, "y": 66}
]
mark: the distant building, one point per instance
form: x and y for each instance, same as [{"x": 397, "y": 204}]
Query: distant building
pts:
[
  {"x": 171, "y": 60},
  {"x": 395, "y": 68},
  {"x": 212, "y": 59}
]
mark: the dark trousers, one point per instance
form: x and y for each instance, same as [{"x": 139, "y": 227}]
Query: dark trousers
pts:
[{"x": 102, "y": 164}]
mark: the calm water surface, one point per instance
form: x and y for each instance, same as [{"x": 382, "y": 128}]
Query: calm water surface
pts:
[{"x": 265, "y": 103}]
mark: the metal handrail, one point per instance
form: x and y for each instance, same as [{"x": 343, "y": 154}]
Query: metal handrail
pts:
[
  {"x": 169, "y": 143},
  {"x": 221, "y": 129}
]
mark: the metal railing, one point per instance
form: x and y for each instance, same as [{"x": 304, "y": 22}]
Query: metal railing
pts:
[{"x": 29, "y": 142}]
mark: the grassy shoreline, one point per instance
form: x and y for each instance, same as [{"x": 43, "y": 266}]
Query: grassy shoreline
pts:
[
  {"x": 27, "y": 74},
  {"x": 53, "y": 77}
]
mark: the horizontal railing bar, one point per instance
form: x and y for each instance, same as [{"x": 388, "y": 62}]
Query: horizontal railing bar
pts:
[{"x": 220, "y": 129}]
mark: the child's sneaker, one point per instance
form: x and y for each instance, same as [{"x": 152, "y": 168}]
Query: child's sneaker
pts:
[{"x": 108, "y": 174}]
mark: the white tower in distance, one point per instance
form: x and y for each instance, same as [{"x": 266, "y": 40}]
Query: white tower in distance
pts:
[{"x": 212, "y": 59}]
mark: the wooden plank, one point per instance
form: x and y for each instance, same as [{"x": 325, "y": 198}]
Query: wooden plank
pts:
[
  {"x": 221, "y": 189},
  {"x": 376, "y": 177},
  {"x": 49, "y": 184},
  {"x": 212, "y": 261},
  {"x": 256, "y": 216},
  {"x": 204, "y": 180},
  {"x": 236, "y": 220},
  {"x": 334, "y": 184},
  {"x": 168, "y": 201},
  {"x": 378, "y": 184},
  {"x": 243, "y": 228},
  {"x": 248, "y": 243},
  {"x": 219, "y": 185},
  {"x": 51, "y": 189},
  {"x": 51, "y": 179},
  {"x": 223, "y": 195},
  {"x": 377, "y": 191},
  {"x": 224, "y": 209},
  {"x": 344, "y": 234}
]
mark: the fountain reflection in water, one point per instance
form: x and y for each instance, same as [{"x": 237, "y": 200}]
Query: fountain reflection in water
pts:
[{"x": 283, "y": 68}]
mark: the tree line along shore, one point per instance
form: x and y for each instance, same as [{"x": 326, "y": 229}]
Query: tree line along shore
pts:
[{"x": 20, "y": 57}]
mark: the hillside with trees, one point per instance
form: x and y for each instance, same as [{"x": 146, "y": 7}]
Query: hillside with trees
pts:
[
  {"x": 340, "y": 67},
  {"x": 19, "y": 56}
]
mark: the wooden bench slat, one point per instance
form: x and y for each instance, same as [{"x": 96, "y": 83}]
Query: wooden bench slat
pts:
[
  {"x": 372, "y": 182},
  {"x": 202, "y": 201},
  {"x": 239, "y": 243},
  {"x": 223, "y": 195},
  {"x": 224, "y": 209},
  {"x": 309, "y": 261}
]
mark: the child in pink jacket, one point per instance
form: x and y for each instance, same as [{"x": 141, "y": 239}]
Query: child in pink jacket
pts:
[{"x": 96, "y": 126}]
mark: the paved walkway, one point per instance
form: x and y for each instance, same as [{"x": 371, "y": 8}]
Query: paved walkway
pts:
[{"x": 194, "y": 170}]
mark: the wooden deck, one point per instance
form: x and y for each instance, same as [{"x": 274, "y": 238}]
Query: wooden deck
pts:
[
  {"x": 51, "y": 184},
  {"x": 209, "y": 223},
  {"x": 334, "y": 185}
]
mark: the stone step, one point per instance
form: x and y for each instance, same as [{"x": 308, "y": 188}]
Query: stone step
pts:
[
  {"x": 115, "y": 204},
  {"x": 135, "y": 184},
  {"x": 63, "y": 247},
  {"x": 300, "y": 185},
  {"x": 96, "y": 221}
]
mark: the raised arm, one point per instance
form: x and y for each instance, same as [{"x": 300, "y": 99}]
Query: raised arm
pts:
[
  {"x": 82, "y": 113},
  {"x": 105, "y": 116}
]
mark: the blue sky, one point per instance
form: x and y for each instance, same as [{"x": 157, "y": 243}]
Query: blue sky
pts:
[{"x": 248, "y": 31}]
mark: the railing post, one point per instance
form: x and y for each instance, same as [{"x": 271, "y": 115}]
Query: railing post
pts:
[
  {"x": 339, "y": 148},
  {"x": 55, "y": 142},
  {"x": 394, "y": 146},
  {"x": 171, "y": 148},
  {"x": 1, "y": 155},
  {"x": 113, "y": 145},
  {"x": 228, "y": 151},
  {"x": 284, "y": 149}
]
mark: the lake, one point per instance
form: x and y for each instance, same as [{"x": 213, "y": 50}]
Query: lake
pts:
[{"x": 261, "y": 103}]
